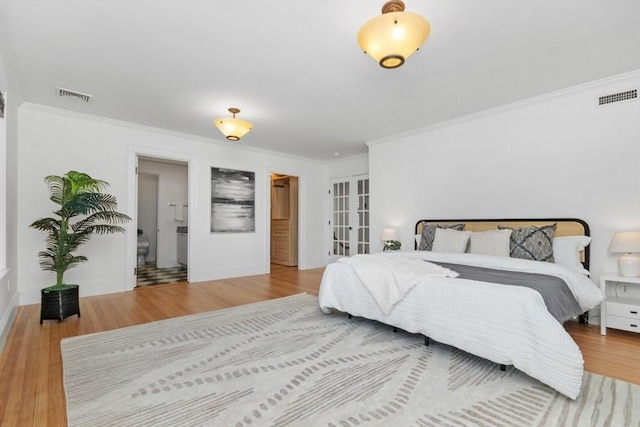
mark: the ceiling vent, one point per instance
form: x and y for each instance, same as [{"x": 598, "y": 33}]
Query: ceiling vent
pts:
[
  {"x": 617, "y": 97},
  {"x": 66, "y": 93}
]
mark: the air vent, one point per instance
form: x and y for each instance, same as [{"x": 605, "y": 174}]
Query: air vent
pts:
[
  {"x": 617, "y": 97},
  {"x": 66, "y": 93}
]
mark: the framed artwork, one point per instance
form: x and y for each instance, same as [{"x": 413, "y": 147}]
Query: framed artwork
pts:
[{"x": 232, "y": 201}]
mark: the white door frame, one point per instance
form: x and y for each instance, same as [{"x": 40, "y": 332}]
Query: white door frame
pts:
[
  {"x": 132, "y": 207},
  {"x": 302, "y": 216}
]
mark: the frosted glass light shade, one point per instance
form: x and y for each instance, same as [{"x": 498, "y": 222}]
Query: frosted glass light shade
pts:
[
  {"x": 627, "y": 244},
  {"x": 233, "y": 129},
  {"x": 389, "y": 234},
  {"x": 393, "y": 36}
]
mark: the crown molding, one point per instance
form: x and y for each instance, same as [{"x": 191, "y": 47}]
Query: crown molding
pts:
[
  {"x": 165, "y": 132},
  {"x": 341, "y": 159},
  {"x": 506, "y": 107}
]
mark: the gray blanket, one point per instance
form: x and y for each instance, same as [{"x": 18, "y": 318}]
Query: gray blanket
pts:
[{"x": 556, "y": 293}]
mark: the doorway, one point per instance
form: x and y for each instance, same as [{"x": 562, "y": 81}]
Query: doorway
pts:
[
  {"x": 284, "y": 222},
  {"x": 162, "y": 221},
  {"x": 349, "y": 200}
]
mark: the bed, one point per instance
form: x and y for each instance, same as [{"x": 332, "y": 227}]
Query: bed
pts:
[{"x": 506, "y": 323}]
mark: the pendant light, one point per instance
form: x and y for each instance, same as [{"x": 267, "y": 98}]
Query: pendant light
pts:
[
  {"x": 233, "y": 129},
  {"x": 393, "y": 36}
]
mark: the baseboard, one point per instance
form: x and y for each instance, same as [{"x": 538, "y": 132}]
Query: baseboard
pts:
[
  {"x": 314, "y": 263},
  {"x": 227, "y": 273},
  {"x": 7, "y": 320},
  {"x": 593, "y": 316},
  {"x": 166, "y": 263},
  {"x": 87, "y": 289}
]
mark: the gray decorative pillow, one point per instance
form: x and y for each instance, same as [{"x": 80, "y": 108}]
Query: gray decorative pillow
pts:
[
  {"x": 534, "y": 243},
  {"x": 429, "y": 234}
]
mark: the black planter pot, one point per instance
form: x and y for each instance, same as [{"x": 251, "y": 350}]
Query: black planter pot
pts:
[{"x": 59, "y": 304}]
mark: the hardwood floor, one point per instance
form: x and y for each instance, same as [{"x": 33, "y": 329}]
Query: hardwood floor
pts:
[
  {"x": 615, "y": 355},
  {"x": 31, "y": 391}
]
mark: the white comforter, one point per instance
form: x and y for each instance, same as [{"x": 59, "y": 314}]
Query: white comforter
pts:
[
  {"x": 505, "y": 324},
  {"x": 388, "y": 277}
]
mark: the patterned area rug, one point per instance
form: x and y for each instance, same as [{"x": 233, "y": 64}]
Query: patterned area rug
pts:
[{"x": 283, "y": 362}]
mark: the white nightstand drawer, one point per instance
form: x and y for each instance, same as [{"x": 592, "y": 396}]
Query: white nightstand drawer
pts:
[
  {"x": 620, "y": 310},
  {"x": 623, "y": 323},
  {"x": 623, "y": 310}
]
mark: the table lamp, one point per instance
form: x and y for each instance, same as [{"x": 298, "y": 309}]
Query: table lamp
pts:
[
  {"x": 390, "y": 238},
  {"x": 627, "y": 244}
]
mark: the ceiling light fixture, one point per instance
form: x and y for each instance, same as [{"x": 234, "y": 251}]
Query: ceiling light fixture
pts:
[
  {"x": 393, "y": 36},
  {"x": 232, "y": 128}
]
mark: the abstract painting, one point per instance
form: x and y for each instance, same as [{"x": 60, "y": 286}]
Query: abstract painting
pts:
[{"x": 232, "y": 201}]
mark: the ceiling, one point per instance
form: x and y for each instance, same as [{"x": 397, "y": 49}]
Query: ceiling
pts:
[{"x": 294, "y": 67}]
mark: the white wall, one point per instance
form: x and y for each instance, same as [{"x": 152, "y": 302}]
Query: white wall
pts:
[
  {"x": 556, "y": 156},
  {"x": 53, "y": 142},
  {"x": 8, "y": 195},
  {"x": 172, "y": 189},
  {"x": 347, "y": 167},
  {"x": 147, "y": 220}
]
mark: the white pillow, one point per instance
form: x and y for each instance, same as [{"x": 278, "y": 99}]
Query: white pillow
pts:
[
  {"x": 566, "y": 251},
  {"x": 418, "y": 239},
  {"x": 451, "y": 241},
  {"x": 491, "y": 242}
]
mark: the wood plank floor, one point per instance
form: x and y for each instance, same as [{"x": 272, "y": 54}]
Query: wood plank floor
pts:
[{"x": 31, "y": 392}]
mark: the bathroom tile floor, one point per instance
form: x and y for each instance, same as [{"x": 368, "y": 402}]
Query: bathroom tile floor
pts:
[{"x": 149, "y": 274}]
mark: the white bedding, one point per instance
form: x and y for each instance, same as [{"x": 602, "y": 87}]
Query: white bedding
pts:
[
  {"x": 505, "y": 324},
  {"x": 388, "y": 276}
]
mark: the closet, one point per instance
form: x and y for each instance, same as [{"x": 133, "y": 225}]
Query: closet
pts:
[{"x": 284, "y": 220}]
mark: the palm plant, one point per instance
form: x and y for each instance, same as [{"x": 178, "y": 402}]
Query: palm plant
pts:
[{"x": 78, "y": 195}]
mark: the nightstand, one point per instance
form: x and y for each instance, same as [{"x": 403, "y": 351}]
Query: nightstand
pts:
[{"x": 620, "y": 309}]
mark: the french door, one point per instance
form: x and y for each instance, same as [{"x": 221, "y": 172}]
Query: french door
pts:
[{"x": 350, "y": 216}]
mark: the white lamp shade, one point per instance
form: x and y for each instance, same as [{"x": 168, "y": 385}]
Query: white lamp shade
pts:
[
  {"x": 389, "y": 234},
  {"x": 390, "y": 38},
  {"x": 627, "y": 242}
]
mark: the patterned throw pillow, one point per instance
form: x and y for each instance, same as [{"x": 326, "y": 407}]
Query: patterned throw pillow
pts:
[
  {"x": 429, "y": 234},
  {"x": 534, "y": 243}
]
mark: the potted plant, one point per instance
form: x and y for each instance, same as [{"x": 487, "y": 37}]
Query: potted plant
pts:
[
  {"x": 392, "y": 245},
  {"x": 83, "y": 210}
]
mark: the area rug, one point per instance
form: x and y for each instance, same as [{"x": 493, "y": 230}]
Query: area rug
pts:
[{"x": 282, "y": 362}]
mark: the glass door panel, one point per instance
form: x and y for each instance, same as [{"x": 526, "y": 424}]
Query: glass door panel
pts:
[
  {"x": 363, "y": 215},
  {"x": 349, "y": 211},
  {"x": 341, "y": 238}
]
